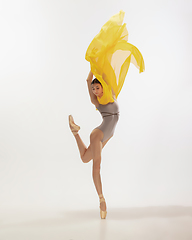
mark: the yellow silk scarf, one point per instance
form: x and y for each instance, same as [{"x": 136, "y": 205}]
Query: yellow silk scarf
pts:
[{"x": 110, "y": 55}]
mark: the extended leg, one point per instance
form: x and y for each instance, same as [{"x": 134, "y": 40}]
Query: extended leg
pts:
[
  {"x": 86, "y": 156},
  {"x": 85, "y": 153}
]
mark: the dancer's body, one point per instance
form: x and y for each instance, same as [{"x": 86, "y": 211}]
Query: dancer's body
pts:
[
  {"x": 109, "y": 55},
  {"x": 99, "y": 136}
]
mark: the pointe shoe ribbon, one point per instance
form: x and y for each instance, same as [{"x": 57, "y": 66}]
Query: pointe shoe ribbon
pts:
[{"x": 74, "y": 127}]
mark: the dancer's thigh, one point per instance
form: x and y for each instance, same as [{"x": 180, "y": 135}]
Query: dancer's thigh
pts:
[
  {"x": 104, "y": 143},
  {"x": 88, "y": 154}
]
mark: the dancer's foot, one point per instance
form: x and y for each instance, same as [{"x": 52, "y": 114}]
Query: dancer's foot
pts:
[
  {"x": 103, "y": 211},
  {"x": 74, "y": 128}
]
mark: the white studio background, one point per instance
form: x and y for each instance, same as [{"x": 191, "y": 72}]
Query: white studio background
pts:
[{"x": 148, "y": 162}]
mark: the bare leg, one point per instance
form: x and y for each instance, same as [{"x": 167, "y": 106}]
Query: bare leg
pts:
[
  {"x": 85, "y": 153},
  {"x": 86, "y": 156},
  {"x": 96, "y": 147},
  {"x": 92, "y": 152}
]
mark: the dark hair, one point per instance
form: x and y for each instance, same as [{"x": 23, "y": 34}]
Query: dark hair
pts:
[{"x": 95, "y": 81}]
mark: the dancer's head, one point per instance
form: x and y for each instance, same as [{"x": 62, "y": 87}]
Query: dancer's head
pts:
[{"x": 97, "y": 87}]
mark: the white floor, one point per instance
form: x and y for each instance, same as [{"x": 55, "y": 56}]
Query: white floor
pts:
[{"x": 149, "y": 223}]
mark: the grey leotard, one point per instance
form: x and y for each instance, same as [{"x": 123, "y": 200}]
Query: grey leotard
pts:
[{"x": 110, "y": 115}]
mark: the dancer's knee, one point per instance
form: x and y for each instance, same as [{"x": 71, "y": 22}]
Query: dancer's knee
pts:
[
  {"x": 85, "y": 159},
  {"x": 86, "y": 156}
]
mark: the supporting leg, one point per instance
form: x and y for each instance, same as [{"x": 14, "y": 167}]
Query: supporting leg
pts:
[{"x": 96, "y": 147}]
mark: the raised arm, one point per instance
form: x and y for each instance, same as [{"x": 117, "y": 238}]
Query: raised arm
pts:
[{"x": 92, "y": 95}]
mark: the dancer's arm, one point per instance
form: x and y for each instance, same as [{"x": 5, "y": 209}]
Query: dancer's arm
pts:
[{"x": 92, "y": 95}]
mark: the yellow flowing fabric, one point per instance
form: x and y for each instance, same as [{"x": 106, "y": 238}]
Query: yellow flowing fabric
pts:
[{"x": 110, "y": 55}]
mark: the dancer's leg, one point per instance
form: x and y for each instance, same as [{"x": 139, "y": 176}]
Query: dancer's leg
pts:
[
  {"x": 86, "y": 156},
  {"x": 85, "y": 153},
  {"x": 92, "y": 152},
  {"x": 96, "y": 147}
]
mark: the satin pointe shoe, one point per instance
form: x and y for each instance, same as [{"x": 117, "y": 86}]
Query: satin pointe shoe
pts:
[
  {"x": 103, "y": 214},
  {"x": 74, "y": 128}
]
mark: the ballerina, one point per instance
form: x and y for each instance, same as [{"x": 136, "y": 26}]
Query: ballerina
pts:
[
  {"x": 109, "y": 55},
  {"x": 98, "y": 137}
]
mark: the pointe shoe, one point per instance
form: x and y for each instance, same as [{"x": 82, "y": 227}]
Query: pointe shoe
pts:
[
  {"x": 74, "y": 128},
  {"x": 103, "y": 214}
]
